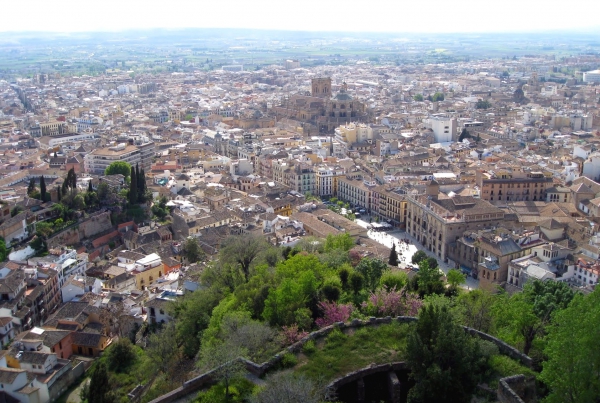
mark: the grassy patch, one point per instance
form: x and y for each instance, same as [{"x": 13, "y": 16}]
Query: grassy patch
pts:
[
  {"x": 341, "y": 353},
  {"x": 502, "y": 366}
]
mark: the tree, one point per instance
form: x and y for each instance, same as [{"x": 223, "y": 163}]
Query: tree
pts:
[
  {"x": 519, "y": 95},
  {"x": 242, "y": 250},
  {"x": 371, "y": 270},
  {"x": 285, "y": 386},
  {"x": 118, "y": 167},
  {"x": 475, "y": 309},
  {"x": 438, "y": 96},
  {"x": 3, "y": 251},
  {"x": 342, "y": 242},
  {"x": 481, "y": 104},
  {"x": 160, "y": 209},
  {"x": 429, "y": 279},
  {"x": 133, "y": 198},
  {"x": 464, "y": 135},
  {"x": 59, "y": 193},
  {"x": 455, "y": 278},
  {"x": 222, "y": 358},
  {"x": 418, "y": 97},
  {"x": 357, "y": 282},
  {"x": 432, "y": 262},
  {"x": 393, "y": 279},
  {"x": 393, "y": 259},
  {"x": 162, "y": 348},
  {"x": 143, "y": 193},
  {"x": 522, "y": 318},
  {"x": 100, "y": 390},
  {"x": 120, "y": 355},
  {"x": 418, "y": 256},
  {"x": 31, "y": 187},
  {"x": 443, "y": 359},
  {"x": 290, "y": 298},
  {"x": 71, "y": 180},
  {"x": 571, "y": 370},
  {"x": 16, "y": 210},
  {"x": 192, "y": 250},
  {"x": 90, "y": 188},
  {"x": 44, "y": 196}
]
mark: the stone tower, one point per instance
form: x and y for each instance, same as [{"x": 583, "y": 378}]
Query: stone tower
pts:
[{"x": 321, "y": 87}]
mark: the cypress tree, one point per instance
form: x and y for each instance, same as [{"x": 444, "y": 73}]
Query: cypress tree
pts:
[
  {"x": 140, "y": 184},
  {"x": 90, "y": 188},
  {"x": 144, "y": 187},
  {"x": 133, "y": 187},
  {"x": 43, "y": 189},
  {"x": 100, "y": 390},
  {"x": 59, "y": 193},
  {"x": 393, "y": 260},
  {"x": 31, "y": 186}
]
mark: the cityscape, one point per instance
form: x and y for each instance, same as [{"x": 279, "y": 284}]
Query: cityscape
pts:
[{"x": 269, "y": 215}]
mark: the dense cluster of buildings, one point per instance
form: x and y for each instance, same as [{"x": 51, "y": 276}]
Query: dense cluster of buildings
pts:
[{"x": 492, "y": 166}]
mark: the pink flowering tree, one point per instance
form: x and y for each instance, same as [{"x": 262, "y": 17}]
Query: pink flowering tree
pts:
[
  {"x": 391, "y": 302},
  {"x": 333, "y": 312},
  {"x": 291, "y": 334}
]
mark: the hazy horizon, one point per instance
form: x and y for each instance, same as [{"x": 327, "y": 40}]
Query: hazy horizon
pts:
[{"x": 433, "y": 17}]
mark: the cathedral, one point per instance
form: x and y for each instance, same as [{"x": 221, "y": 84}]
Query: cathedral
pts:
[{"x": 321, "y": 110}]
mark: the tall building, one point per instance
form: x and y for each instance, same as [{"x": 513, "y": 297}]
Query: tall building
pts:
[
  {"x": 591, "y": 76},
  {"x": 98, "y": 160},
  {"x": 321, "y": 87},
  {"x": 513, "y": 186},
  {"x": 444, "y": 128}
]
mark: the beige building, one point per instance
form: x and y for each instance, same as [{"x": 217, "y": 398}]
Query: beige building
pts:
[
  {"x": 98, "y": 160},
  {"x": 356, "y": 191},
  {"x": 513, "y": 186},
  {"x": 436, "y": 220}
]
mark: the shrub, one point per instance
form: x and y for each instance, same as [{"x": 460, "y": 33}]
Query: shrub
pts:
[
  {"x": 309, "y": 347},
  {"x": 291, "y": 334},
  {"x": 335, "y": 337},
  {"x": 389, "y": 301},
  {"x": 333, "y": 312},
  {"x": 289, "y": 360}
]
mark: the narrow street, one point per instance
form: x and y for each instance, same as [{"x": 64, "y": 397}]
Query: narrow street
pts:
[{"x": 406, "y": 251}]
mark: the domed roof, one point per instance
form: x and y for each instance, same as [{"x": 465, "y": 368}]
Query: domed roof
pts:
[{"x": 343, "y": 96}]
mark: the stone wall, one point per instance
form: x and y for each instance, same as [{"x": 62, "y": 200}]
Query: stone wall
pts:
[
  {"x": 67, "y": 237},
  {"x": 193, "y": 385},
  {"x": 95, "y": 224},
  {"x": 517, "y": 389},
  {"x": 65, "y": 381}
]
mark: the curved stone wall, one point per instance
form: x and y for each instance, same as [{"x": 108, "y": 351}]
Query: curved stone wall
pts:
[{"x": 193, "y": 385}]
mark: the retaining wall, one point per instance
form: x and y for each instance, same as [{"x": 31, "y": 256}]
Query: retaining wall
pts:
[
  {"x": 193, "y": 385},
  {"x": 516, "y": 389}
]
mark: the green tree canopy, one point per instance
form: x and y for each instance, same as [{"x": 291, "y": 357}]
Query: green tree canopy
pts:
[
  {"x": 118, "y": 167},
  {"x": 418, "y": 256},
  {"x": 444, "y": 360},
  {"x": 418, "y": 97},
  {"x": 429, "y": 279},
  {"x": 571, "y": 371},
  {"x": 100, "y": 390},
  {"x": 482, "y": 104},
  {"x": 192, "y": 250},
  {"x": 371, "y": 269},
  {"x": 455, "y": 278},
  {"x": 341, "y": 241}
]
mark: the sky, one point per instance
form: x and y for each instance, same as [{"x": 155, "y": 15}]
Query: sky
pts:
[{"x": 305, "y": 15}]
